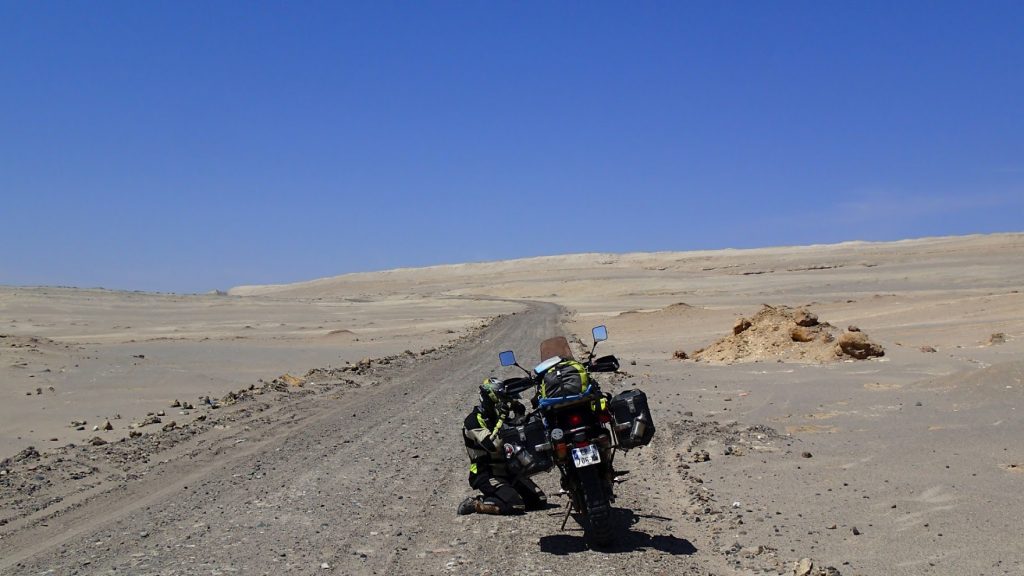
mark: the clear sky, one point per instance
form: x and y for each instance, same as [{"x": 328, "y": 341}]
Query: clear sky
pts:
[{"x": 187, "y": 146}]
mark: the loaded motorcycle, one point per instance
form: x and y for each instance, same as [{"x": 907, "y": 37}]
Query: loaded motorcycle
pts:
[{"x": 577, "y": 428}]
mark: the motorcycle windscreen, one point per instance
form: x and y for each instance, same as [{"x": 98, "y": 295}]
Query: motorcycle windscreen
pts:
[{"x": 557, "y": 346}]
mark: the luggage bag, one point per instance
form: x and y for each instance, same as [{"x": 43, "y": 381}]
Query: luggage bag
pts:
[
  {"x": 634, "y": 425},
  {"x": 527, "y": 445}
]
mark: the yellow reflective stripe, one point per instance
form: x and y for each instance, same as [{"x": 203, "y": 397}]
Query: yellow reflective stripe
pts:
[
  {"x": 604, "y": 403},
  {"x": 584, "y": 377},
  {"x": 472, "y": 468},
  {"x": 480, "y": 420},
  {"x": 494, "y": 433},
  {"x": 583, "y": 374},
  {"x": 489, "y": 386}
]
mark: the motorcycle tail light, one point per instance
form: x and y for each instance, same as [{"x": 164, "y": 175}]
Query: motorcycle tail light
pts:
[
  {"x": 575, "y": 420},
  {"x": 604, "y": 417}
]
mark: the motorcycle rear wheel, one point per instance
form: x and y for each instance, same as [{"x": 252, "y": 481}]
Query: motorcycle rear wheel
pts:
[{"x": 598, "y": 526}]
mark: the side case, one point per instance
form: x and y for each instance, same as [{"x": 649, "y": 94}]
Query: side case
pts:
[
  {"x": 528, "y": 437},
  {"x": 634, "y": 425}
]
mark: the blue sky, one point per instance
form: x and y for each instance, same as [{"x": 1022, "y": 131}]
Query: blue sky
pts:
[{"x": 187, "y": 146}]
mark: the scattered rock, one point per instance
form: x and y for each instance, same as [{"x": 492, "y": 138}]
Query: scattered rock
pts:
[
  {"x": 741, "y": 325},
  {"x": 107, "y": 425},
  {"x": 806, "y": 455},
  {"x": 29, "y": 453},
  {"x": 176, "y": 404},
  {"x": 700, "y": 456},
  {"x": 997, "y": 338},
  {"x": 751, "y": 551},
  {"x": 290, "y": 380},
  {"x": 147, "y": 421},
  {"x": 731, "y": 450},
  {"x": 77, "y": 423},
  {"x": 802, "y": 334},
  {"x": 97, "y": 441},
  {"x": 680, "y": 355},
  {"x": 855, "y": 531},
  {"x": 803, "y": 567},
  {"x": 804, "y": 318},
  {"x": 161, "y": 413},
  {"x": 852, "y": 328},
  {"x": 169, "y": 426},
  {"x": 858, "y": 345},
  {"x": 731, "y": 549},
  {"x": 927, "y": 349}
]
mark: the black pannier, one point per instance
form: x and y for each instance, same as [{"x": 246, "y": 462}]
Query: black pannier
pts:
[
  {"x": 526, "y": 447},
  {"x": 633, "y": 423}
]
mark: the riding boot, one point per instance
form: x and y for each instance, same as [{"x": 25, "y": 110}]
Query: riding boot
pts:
[
  {"x": 468, "y": 506},
  {"x": 486, "y": 508}
]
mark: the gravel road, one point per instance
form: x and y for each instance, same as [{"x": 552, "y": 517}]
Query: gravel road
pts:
[{"x": 360, "y": 482}]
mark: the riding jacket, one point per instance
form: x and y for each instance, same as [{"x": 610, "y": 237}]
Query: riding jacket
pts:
[{"x": 485, "y": 448}]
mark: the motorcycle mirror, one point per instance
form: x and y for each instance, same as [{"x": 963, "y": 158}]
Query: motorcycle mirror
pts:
[
  {"x": 600, "y": 333},
  {"x": 507, "y": 358}
]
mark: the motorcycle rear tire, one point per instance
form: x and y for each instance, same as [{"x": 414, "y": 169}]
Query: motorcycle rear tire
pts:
[{"x": 598, "y": 527}]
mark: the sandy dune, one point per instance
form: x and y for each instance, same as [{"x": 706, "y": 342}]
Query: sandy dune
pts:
[{"x": 905, "y": 464}]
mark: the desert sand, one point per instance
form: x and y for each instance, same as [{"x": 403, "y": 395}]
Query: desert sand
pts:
[{"x": 317, "y": 424}]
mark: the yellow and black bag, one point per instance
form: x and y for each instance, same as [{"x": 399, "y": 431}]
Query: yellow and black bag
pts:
[{"x": 567, "y": 378}]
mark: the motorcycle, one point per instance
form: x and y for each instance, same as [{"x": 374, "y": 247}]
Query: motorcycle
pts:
[{"x": 578, "y": 433}]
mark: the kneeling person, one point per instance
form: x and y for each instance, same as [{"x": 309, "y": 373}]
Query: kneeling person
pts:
[{"x": 500, "y": 493}]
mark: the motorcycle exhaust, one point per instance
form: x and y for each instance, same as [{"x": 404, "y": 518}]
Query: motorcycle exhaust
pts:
[
  {"x": 639, "y": 427},
  {"x": 524, "y": 458}
]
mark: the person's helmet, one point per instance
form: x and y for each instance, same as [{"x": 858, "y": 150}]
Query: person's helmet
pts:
[{"x": 492, "y": 394}]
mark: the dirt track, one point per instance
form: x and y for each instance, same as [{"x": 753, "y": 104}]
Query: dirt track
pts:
[{"x": 365, "y": 481}]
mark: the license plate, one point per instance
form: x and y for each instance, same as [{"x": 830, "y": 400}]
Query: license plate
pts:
[{"x": 585, "y": 456}]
